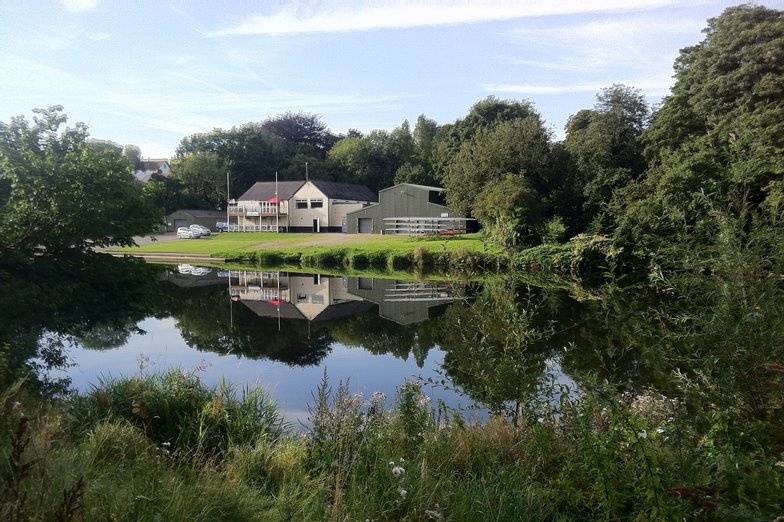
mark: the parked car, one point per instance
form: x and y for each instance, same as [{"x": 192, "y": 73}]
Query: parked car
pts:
[
  {"x": 200, "y": 230},
  {"x": 222, "y": 226},
  {"x": 185, "y": 233}
]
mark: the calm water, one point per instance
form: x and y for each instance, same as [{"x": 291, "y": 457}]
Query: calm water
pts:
[
  {"x": 506, "y": 343},
  {"x": 281, "y": 331}
]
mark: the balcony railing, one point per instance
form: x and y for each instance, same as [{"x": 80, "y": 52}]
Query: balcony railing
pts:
[
  {"x": 255, "y": 211},
  {"x": 255, "y": 228}
]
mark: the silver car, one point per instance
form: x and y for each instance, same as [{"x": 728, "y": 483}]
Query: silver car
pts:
[
  {"x": 185, "y": 233},
  {"x": 199, "y": 230}
]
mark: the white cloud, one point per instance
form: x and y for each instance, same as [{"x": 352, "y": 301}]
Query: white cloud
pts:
[
  {"x": 337, "y": 16},
  {"x": 80, "y": 5},
  {"x": 628, "y": 41},
  {"x": 649, "y": 87}
]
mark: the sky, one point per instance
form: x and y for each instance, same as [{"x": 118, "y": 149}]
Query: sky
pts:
[{"x": 151, "y": 72}]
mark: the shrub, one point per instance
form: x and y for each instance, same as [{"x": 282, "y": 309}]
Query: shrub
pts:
[
  {"x": 176, "y": 409},
  {"x": 113, "y": 441}
]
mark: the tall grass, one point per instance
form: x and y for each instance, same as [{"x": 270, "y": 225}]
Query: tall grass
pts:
[{"x": 168, "y": 448}]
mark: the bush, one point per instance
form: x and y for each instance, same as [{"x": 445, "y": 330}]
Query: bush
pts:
[{"x": 176, "y": 409}]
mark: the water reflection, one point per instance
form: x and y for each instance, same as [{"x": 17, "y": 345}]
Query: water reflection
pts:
[{"x": 490, "y": 344}]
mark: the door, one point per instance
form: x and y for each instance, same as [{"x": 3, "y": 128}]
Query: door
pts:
[
  {"x": 317, "y": 225},
  {"x": 180, "y": 223},
  {"x": 365, "y": 225}
]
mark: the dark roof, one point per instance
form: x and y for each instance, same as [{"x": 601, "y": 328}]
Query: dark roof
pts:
[
  {"x": 263, "y": 190},
  {"x": 265, "y": 309},
  {"x": 349, "y": 191},
  {"x": 202, "y": 213}
]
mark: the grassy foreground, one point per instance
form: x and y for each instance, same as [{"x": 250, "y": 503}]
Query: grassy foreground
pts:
[{"x": 166, "y": 448}]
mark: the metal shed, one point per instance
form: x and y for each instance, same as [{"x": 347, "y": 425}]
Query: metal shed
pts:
[
  {"x": 403, "y": 204},
  {"x": 188, "y": 217}
]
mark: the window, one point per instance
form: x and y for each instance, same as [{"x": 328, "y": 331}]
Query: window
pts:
[
  {"x": 317, "y": 299},
  {"x": 437, "y": 197},
  {"x": 316, "y": 203},
  {"x": 302, "y": 203}
]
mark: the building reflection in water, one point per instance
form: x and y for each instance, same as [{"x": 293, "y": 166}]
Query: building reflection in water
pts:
[{"x": 315, "y": 297}]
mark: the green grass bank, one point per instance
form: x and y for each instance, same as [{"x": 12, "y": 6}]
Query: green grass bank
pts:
[
  {"x": 167, "y": 448},
  {"x": 394, "y": 254}
]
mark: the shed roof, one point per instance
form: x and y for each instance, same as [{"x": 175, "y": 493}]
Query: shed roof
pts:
[
  {"x": 426, "y": 187},
  {"x": 349, "y": 191}
]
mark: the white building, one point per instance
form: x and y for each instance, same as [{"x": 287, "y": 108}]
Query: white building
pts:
[
  {"x": 150, "y": 166},
  {"x": 298, "y": 206}
]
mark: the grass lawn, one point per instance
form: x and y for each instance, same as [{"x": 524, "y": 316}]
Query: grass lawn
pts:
[{"x": 234, "y": 244}]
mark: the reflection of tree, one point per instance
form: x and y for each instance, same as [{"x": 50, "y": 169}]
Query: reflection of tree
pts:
[
  {"x": 380, "y": 336},
  {"x": 496, "y": 347},
  {"x": 47, "y": 304}
]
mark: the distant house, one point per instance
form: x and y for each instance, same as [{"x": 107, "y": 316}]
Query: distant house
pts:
[
  {"x": 188, "y": 217},
  {"x": 150, "y": 166},
  {"x": 407, "y": 209},
  {"x": 298, "y": 206}
]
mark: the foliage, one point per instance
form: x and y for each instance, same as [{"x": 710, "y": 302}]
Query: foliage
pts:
[
  {"x": 606, "y": 146},
  {"x": 133, "y": 154},
  {"x": 511, "y": 211},
  {"x": 175, "y": 410},
  {"x": 63, "y": 194},
  {"x": 203, "y": 177},
  {"x": 715, "y": 145}
]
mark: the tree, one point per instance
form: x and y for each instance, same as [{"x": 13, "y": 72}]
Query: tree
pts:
[
  {"x": 606, "y": 146},
  {"x": 519, "y": 147},
  {"x": 63, "y": 194},
  {"x": 134, "y": 155},
  {"x": 374, "y": 159},
  {"x": 251, "y": 152},
  {"x": 716, "y": 145},
  {"x": 300, "y": 130},
  {"x": 203, "y": 177},
  {"x": 511, "y": 211},
  {"x": 484, "y": 114}
]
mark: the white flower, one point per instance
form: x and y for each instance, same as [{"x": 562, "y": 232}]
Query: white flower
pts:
[
  {"x": 391, "y": 463},
  {"x": 398, "y": 471},
  {"x": 167, "y": 444},
  {"x": 402, "y": 492},
  {"x": 643, "y": 434}
]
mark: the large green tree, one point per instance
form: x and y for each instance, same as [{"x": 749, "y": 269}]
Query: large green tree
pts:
[
  {"x": 373, "y": 159},
  {"x": 203, "y": 177},
  {"x": 606, "y": 146},
  {"x": 62, "y": 193},
  {"x": 716, "y": 145}
]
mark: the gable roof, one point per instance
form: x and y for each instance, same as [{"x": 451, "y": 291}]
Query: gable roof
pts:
[
  {"x": 263, "y": 190},
  {"x": 349, "y": 191}
]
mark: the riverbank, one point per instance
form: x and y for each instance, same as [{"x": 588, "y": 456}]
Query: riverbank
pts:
[
  {"x": 467, "y": 254},
  {"x": 167, "y": 448}
]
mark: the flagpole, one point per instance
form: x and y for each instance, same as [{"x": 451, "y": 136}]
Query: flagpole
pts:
[{"x": 277, "y": 205}]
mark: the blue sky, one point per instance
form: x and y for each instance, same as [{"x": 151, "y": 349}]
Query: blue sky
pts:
[{"x": 150, "y": 72}]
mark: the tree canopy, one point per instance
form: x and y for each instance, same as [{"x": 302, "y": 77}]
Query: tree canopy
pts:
[{"x": 61, "y": 193}]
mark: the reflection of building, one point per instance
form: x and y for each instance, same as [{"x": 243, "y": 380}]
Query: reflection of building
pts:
[
  {"x": 284, "y": 295},
  {"x": 406, "y": 302}
]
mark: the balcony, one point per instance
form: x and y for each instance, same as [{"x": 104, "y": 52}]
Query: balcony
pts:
[{"x": 265, "y": 209}]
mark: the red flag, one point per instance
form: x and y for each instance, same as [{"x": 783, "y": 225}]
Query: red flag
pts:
[
  {"x": 273, "y": 199},
  {"x": 274, "y": 302}
]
